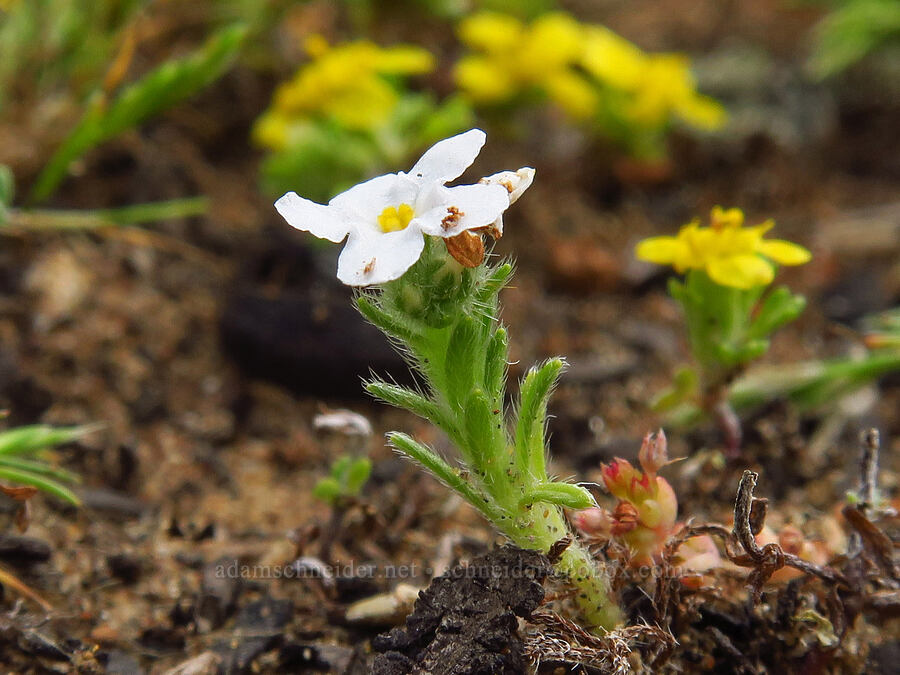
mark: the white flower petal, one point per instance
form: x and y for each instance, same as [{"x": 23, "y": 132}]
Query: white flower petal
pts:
[
  {"x": 447, "y": 159},
  {"x": 363, "y": 203},
  {"x": 320, "y": 220},
  {"x": 378, "y": 258},
  {"x": 465, "y": 207},
  {"x": 515, "y": 182}
]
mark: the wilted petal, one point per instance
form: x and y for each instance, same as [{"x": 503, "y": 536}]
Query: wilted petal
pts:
[
  {"x": 784, "y": 252},
  {"x": 740, "y": 271},
  {"x": 369, "y": 259},
  {"x": 447, "y": 159},
  {"x": 322, "y": 221},
  {"x": 515, "y": 182}
]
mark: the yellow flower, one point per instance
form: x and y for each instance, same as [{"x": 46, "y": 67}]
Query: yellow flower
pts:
[
  {"x": 512, "y": 58},
  {"x": 612, "y": 59},
  {"x": 732, "y": 255},
  {"x": 668, "y": 87},
  {"x": 658, "y": 85},
  {"x": 345, "y": 83}
]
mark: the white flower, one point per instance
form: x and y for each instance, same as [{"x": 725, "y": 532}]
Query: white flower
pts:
[{"x": 385, "y": 218}]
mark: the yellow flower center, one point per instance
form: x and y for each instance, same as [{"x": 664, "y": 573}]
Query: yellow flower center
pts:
[{"x": 395, "y": 218}]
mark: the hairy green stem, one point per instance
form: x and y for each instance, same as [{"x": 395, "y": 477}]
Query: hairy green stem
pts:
[{"x": 445, "y": 318}]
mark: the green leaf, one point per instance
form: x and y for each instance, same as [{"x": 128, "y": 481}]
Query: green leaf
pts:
[
  {"x": 481, "y": 425},
  {"x": 684, "y": 386},
  {"x": 851, "y": 32},
  {"x": 533, "y": 397},
  {"x": 394, "y": 326},
  {"x": 39, "y": 468},
  {"x": 496, "y": 364},
  {"x": 327, "y": 490},
  {"x": 752, "y": 350},
  {"x": 495, "y": 282},
  {"x": 407, "y": 399},
  {"x": 780, "y": 307},
  {"x": 43, "y": 484},
  {"x": 162, "y": 88},
  {"x": 446, "y": 474},
  {"x": 459, "y": 364},
  {"x": 357, "y": 475},
  {"x": 7, "y": 186},
  {"x": 27, "y": 439},
  {"x": 88, "y": 219},
  {"x": 562, "y": 494},
  {"x": 339, "y": 468}
]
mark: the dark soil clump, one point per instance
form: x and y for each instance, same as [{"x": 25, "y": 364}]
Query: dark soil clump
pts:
[{"x": 465, "y": 622}]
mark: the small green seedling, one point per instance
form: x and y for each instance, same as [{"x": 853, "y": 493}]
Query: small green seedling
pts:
[
  {"x": 21, "y": 458},
  {"x": 346, "y": 480}
]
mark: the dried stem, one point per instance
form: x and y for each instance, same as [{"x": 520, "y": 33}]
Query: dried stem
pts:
[
  {"x": 740, "y": 542},
  {"x": 868, "y": 470}
]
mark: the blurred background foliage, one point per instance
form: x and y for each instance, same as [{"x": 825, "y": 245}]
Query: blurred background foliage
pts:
[
  {"x": 853, "y": 30},
  {"x": 379, "y": 103}
]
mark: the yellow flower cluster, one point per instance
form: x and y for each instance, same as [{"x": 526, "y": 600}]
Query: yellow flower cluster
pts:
[
  {"x": 514, "y": 58},
  {"x": 344, "y": 83},
  {"x": 732, "y": 255},
  {"x": 572, "y": 63},
  {"x": 658, "y": 85}
]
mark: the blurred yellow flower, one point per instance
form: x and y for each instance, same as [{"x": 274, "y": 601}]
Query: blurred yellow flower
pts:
[
  {"x": 515, "y": 58},
  {"x": 575, "y": 65},
  {"x": 345, "y": 83},
  {"x": 612, "y": 59},
  {"x": 731, "y": 254},
  {"x": 659, "y": 84}
]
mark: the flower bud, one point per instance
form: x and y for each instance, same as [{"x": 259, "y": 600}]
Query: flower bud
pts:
[
  {"x": 617, "y": 477},
  {"x": 594, "y": 521},
  {"x": 654, "y": 453}
]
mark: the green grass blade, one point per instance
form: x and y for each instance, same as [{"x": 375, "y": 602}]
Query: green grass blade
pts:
[
  {"x": 24, "y": 440},
  {"x": 54, "y": 219},
  {"x": 159, "y": 90},
  {"x": 44, "y": 484},
  {"x": 39, "y": 468}
]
